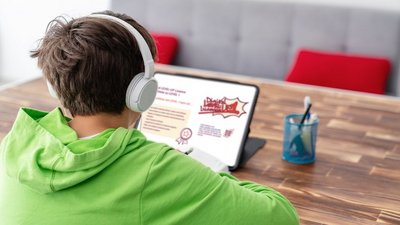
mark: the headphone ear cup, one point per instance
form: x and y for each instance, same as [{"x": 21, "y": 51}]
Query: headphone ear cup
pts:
[{"x": 141, "y": 93}]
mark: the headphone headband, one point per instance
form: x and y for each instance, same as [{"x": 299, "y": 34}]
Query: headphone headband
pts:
[
  {"x": 142, "y": 89},
  {"x": 144, "y": 49}
]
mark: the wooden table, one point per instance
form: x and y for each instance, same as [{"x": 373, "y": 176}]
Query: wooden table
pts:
[{"x": 356, "y": 177}]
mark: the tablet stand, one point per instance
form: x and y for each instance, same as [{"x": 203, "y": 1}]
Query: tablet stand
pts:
[{"x": 251, "y": 146}]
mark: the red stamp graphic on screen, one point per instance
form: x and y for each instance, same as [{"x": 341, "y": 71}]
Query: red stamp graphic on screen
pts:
[
  {"x": 185, "y": 135},
  {"x": 228, "y": 133},
  {"x": 225, "y": 107}
]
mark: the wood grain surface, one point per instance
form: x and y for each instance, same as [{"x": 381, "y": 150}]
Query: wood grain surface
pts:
[{"x": 356, "y": 176}]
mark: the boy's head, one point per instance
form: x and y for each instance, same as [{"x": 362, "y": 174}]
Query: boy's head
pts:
[{"x": 90, "y": 62}]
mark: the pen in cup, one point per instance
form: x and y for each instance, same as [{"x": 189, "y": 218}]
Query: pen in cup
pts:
[
  {"x": 307, "y": 102},
  {"x": 305, "y": 115}
]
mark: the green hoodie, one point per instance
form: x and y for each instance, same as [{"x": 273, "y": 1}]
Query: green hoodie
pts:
[{"x": 49, "y": 176}]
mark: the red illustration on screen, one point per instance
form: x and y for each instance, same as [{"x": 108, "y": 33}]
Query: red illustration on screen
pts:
[
  {"x": 228, "y": 132},
  {"x": 225, "y": 107}
]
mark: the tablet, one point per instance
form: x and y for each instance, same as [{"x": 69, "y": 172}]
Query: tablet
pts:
[{"x": 208, "y": 114}]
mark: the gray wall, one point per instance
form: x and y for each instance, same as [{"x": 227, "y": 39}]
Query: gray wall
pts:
[{"x": 260, "y": 38}]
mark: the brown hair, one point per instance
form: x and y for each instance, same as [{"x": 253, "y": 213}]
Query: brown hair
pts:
[{"x": 90, "y": 62}]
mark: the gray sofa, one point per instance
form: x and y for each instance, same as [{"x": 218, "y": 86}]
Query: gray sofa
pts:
[{"x": 260, "y": 38}]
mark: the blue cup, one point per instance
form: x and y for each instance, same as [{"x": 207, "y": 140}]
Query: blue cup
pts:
[{"x": 299, "y": 139}]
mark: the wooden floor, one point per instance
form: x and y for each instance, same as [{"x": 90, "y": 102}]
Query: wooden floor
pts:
[{"x": 356, "y": 177}]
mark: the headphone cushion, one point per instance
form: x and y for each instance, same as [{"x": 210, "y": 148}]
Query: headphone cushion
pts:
[{"x": 141, "y": 93}]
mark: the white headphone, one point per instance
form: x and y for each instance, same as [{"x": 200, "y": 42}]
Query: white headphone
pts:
[{"x": 142, "y": 89}]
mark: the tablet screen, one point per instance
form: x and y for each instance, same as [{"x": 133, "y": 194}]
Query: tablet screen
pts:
[{"x": 211, "y": 115}]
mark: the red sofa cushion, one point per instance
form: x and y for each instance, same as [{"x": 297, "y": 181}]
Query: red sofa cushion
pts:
[
  {"x": 167, "y": 45},
  {"x": 338, "y": 70}
]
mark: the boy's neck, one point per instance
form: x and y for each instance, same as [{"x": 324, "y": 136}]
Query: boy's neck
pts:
[{"x": 85, "y": 126}]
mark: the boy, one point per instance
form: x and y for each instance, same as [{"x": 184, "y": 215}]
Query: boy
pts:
[{"x": 93, "y": 169}]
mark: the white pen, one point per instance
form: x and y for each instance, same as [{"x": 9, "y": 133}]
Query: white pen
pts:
[{"x": 313, "y": 118}]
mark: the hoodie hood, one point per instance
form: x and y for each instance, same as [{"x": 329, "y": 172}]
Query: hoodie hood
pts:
[{"x": 44, "y": 153}]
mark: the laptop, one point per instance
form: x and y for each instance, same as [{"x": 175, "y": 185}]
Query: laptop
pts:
[{"x": 192, "y": 112}]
